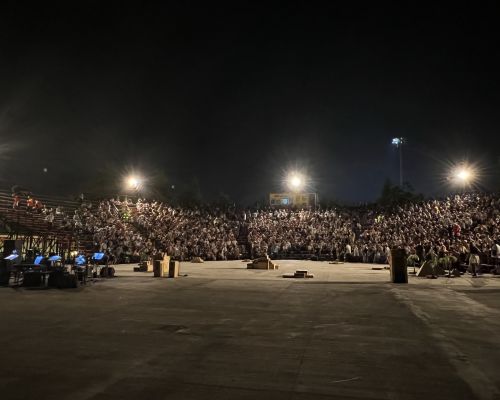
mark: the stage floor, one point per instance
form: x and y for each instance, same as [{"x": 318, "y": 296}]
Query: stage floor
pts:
[
  {"x": 322, "y": 271},
  {"x": 225, "y": 332}
]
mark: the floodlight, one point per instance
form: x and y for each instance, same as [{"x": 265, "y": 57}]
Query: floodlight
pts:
[
  {"x": 398, "y": 143},
  {"x": 295, "y": 181},
  {"x": 463, "y": 175},
  {"x": 133, "y": 182}
]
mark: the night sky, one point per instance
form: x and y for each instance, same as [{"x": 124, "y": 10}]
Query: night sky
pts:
[{"x": 232, "y": 96}]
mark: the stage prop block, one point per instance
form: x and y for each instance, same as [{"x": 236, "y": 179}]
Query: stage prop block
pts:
[
  {"x": 173, "y": 269},
  {"x": 300, "y": 273},
  {"x": 262, "y": 263},
  {"x": 146, "y": 266},
  {"x": 166, "y": 268}
]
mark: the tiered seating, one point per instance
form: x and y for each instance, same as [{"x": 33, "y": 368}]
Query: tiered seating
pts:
[
  {"x": 21, "y": 222},
  {"x": 243, "y": 242},
  {"x": 32, "y": 222}
]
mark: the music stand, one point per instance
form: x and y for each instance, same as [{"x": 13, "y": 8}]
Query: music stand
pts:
[
  {"x": 83, "y": 271},
  {"x": 80, "y": 260},
  {"x": 99, "y": 257},
  {"x": 99, "y": 260},
  {"x": 56, "y": 264}
]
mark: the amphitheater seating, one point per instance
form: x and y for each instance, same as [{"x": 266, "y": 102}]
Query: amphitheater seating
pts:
[{"x": 21, "y": 222}]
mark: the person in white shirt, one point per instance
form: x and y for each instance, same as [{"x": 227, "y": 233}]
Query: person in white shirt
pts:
[
  {"x": 348, "y": 249},
  {"x": 495, "y": 255}
]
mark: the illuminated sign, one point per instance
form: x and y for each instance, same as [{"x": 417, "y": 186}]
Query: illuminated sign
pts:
[{"x": 293, "y": 199}]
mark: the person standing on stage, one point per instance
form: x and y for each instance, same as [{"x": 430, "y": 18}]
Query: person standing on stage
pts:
[{"x": 473, "y": 258}]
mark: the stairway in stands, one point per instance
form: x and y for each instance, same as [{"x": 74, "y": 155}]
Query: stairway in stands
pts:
[{"x": 243, "y": 242}]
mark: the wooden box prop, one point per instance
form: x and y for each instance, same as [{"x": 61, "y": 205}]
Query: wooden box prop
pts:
[
  {"x": 262, "y": 263},
  {"x": 173, "y": 269},
  {"x": 300, "y": 273},
  {"x": 161, "y": 267}
]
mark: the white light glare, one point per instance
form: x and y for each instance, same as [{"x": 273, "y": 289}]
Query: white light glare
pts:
[
  {"x": 133, "y": 182},
  {"x": 463, "y": 175},
  {"x": 397, "y": 141},
  {"x": 295, "y": 181}
]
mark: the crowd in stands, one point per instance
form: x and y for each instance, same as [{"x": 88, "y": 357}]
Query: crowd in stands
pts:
[
  {"x": 141, "y": 229},
  {"x": 32, "y": 205},
  {"x": 457, "y": 226}
]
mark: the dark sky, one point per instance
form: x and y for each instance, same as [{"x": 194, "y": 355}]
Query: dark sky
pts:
[{"x": 234, "y": 96}]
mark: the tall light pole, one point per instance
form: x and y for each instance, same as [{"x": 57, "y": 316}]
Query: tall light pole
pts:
[{"x": 398, "y": 142}]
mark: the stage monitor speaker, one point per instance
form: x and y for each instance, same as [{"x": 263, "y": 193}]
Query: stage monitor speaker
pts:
[
  {"x": 10, "y": 245},
  {"x": 425, "y": 269}
]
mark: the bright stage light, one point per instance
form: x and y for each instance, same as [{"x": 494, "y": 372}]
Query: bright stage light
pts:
[
  {"x": 295, "y": 181},
  {"x": 133, "y": 182},
  {"x": 464, "y": 175}
]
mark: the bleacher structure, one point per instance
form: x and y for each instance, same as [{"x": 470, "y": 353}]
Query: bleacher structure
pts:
[{"x": 35, "y": 230}]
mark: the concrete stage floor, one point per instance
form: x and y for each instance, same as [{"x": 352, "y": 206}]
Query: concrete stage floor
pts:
[{"x": 225, "y": 332}]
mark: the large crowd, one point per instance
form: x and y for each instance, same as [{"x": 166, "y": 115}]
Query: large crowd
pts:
[
  {"x": 444, "y": 227},
  {"x": 455, "y": 226},
  {"x": 124, "y": 229}
]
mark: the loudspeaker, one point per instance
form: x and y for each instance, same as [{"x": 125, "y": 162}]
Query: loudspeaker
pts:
[
  {"x": 399, "y": 271},
  {"x": 67, "y": 281},
  {"x": 107, "y": 272},
  {"x": 10, "y": 245},
  {"x": 4, "y": 274},
  {"x": 32, "y": 279},
  {"x": 62, "y": 280}
]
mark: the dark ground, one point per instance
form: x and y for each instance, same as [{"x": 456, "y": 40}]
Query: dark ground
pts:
[{"x": 224, "y": 332}]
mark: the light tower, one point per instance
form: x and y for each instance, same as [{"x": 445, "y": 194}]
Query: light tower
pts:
[{"x": 398, "y": 143}]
